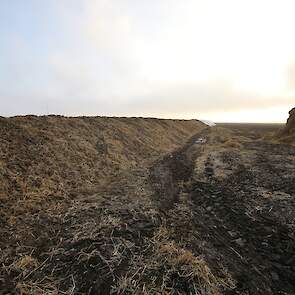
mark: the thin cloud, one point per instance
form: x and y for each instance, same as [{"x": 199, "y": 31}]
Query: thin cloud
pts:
[{"x": 153, "y": 58}]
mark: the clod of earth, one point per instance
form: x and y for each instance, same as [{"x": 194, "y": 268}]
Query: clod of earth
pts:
[{"x": 287, "y": 134}]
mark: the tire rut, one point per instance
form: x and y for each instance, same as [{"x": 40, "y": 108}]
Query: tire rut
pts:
[
  {"x": 169, "y": 173},
  {"x": 255, "y": 248}
]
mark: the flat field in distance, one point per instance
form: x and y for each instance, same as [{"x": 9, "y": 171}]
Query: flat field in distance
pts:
[{"x": 260, "y": 129}]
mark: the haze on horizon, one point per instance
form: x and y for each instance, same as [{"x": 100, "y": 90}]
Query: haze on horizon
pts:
[{"x": 230, "y": 60}]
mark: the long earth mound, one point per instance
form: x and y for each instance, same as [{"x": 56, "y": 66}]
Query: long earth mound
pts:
[
  {"x": 50, "y": 164},
  {"x": 48, "y": 159},
  {"x": 287, "y": 134}
]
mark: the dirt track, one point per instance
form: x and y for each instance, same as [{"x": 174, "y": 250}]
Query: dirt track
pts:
[
  {"x": 212, "y": 218},
  {"x": 241, "y": 202}
]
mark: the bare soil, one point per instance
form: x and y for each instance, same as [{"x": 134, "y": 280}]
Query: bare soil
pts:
[
  {"x": 215, "y": 217},
  {"x": 287, "y": 133},
  {"x": 241, "y": 199}
]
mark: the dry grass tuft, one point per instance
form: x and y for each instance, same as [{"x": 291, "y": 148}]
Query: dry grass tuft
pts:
[
  {"x": 35, "y": 289},
  {"x": 26, "y": 264},
  {"x": 168, "y": 269},
  {"x": 231, "y": 143}
]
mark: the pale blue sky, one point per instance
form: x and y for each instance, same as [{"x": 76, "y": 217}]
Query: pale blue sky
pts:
[{"x": 229, "y": 60}]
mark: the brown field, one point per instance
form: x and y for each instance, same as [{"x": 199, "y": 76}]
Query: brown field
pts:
[{"x": 139, "y": 206}]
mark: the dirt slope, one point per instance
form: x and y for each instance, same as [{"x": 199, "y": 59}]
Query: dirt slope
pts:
[
  {"x": 287, "y": 134},
  {"x": 52, "y": 167}
]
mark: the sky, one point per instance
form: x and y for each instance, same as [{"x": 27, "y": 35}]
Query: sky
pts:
[{"x": 221, "y": 60}]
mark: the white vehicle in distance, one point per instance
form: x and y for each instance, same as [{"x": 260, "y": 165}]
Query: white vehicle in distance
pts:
[
  {"x": 209, "y": 123},
  {"x": 201, "y": 140}
]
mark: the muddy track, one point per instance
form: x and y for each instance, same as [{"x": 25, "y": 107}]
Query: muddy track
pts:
[
  {"x": 170, "y": 172},
  {"x": 235, "y": 226}
]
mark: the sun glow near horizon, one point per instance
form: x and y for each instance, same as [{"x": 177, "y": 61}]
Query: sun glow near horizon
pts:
[
  {"x": 230, "y": 59},
  {"x": 248, "y": 42}
]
